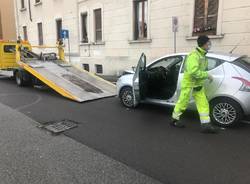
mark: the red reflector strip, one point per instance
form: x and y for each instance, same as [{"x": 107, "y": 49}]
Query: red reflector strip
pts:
[{"x": 244, "y": 81}]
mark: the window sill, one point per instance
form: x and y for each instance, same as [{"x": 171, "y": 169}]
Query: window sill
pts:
[
  {"x": 37, "y": 4},
  {"x": 140, "y": 41},
  {"x": 98, "y": 43},
  {"x": 84, "y": 44},
  {"x": 210, "y": 36},
  {"x": 23, "y": 9}
]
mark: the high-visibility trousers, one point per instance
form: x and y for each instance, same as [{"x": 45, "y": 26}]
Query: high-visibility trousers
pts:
[{"x": 200, "y": 100}]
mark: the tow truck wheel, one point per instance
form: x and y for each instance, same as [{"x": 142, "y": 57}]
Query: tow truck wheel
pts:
[{"x": 21, "y": 79}]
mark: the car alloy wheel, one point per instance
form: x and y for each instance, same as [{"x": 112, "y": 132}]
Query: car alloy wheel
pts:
[
  {"x": 224, "y": 113},
  {"x": 127, "y": 97}
]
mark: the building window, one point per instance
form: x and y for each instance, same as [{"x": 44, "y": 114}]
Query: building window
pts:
[
  {"x": 84, "y": 24},
  {"x": 98, "y": 25},
  {"x": 205, "y": 17},
  {"x": 1, "y": 27},
  {"x": 22, "y": 4},
  {"x": 25, "y": 33},
  {"x": 140, "y": 19},
  {"x": 58, "y": 29},
  {"x": 85, "y": 67},
  {"x": 40, "y": 33},
  {"x": 98, "y": 69}
]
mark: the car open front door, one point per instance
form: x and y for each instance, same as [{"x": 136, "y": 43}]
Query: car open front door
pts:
[{"x": 136, "y": 79}]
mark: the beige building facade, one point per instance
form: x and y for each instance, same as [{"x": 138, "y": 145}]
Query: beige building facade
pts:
[
  {"x": 108, "y": 36},
  {"x": 7, "y": 20}
]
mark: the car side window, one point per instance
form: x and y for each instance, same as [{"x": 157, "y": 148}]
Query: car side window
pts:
[
  {"x": 165, "y": 62},
  {"x": 212, "y": 63}
]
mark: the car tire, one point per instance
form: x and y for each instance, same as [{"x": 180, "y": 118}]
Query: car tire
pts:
[
  {"x": 225, "y": 112},
  {"x": 127, "y": 97}
]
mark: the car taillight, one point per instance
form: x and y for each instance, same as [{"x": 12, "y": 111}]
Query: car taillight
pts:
[{"x": 245, "y": 84}]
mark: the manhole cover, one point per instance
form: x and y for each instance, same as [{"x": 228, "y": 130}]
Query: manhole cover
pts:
[{"x": 60, "y": 126}]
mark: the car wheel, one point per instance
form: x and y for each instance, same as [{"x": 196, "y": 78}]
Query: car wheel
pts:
[
  {"x": 226, "y": 112},
  {"x": 127, "y": 97}
]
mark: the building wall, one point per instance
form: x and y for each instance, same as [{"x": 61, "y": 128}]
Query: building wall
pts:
[
  {"x": 8, "y": 28},
  {"x": 118, "y": 51}
]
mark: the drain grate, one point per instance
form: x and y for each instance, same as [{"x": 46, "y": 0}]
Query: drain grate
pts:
[{"x": 60, "y": 126}]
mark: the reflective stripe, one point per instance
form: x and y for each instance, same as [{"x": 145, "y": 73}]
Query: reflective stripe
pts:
[
  {"x": 203, "y": 114},
  {"x": 204, "y": 118},
  {"x": 176, "y": 116},
  {"x": 205, "y": 121}
]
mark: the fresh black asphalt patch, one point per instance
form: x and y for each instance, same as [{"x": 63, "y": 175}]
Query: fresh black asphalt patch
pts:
[{"x": 142, "y": 138}]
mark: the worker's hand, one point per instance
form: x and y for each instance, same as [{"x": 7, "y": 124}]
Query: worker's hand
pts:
[{"x": 210, "y": 78}]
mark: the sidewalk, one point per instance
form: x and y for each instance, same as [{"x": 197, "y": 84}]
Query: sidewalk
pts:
[{"x": 29, "y": 155}]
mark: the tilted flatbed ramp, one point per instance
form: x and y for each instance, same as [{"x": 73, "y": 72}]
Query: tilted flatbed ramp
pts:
[{"x": 69, "y": 81}]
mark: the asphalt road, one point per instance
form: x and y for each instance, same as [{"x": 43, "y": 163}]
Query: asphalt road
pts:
[{"x": 142, "y": 138}]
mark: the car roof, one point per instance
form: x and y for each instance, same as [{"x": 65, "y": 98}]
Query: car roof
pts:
[{"x": 223, "y": 56}]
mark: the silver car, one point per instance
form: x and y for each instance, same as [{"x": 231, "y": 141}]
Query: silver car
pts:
[{"x": 160, "y": 83}]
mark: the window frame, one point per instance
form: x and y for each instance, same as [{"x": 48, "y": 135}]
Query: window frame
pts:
[
  {"x": 86, "y": 67},
  {"x": 25, "y": 33},
  {"x": 40, "y": 34},
  {"x": 38, "y": 2},
  {"x": 58, "y": 33},
  {"x": 87, "y": 27},
  {"x": 205, "y": 17},
  {"x": 136, "y": 36},
  {"x": 219, "y": 33},
  {"x": 94, "y": 24},
  {"x": 97, "y": 69},
  {"x": 23, "y": 5}
]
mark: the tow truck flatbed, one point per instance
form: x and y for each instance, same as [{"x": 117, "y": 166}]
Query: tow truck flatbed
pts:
[{"x": 68, "y": 80}]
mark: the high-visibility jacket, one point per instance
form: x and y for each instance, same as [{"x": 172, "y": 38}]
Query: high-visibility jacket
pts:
[{"x": 195, "y": 72}]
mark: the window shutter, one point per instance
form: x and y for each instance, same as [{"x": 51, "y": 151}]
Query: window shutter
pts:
[
  {"x": 213, "y": 6},
  {"x": 205, "y": 17},
  {"x": 98, "y": 25},
  {"x": 199, "y": 16}
]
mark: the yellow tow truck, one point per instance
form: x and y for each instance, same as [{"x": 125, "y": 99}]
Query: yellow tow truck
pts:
[{"x": 53, "y": 70}]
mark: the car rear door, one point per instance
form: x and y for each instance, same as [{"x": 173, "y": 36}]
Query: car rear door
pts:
[
  {"x": 215, "y": 68},
  {"x": 141, "y": 66}
]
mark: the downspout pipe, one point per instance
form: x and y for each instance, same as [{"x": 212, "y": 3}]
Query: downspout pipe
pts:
[
  {"x": 30, "y": 11},
  {"x": 17, "y": 19}
]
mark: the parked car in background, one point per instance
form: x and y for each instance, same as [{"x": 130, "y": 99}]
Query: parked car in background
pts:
[{"x": 160, "y": 83}]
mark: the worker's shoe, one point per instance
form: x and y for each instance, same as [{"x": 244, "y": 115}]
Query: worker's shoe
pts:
[
  {"x": 177, "y": 123},
  {"x": 208, "y": 128}
]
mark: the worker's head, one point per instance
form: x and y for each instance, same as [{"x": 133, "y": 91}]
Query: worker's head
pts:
[{"x": 204, "y": 42}]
